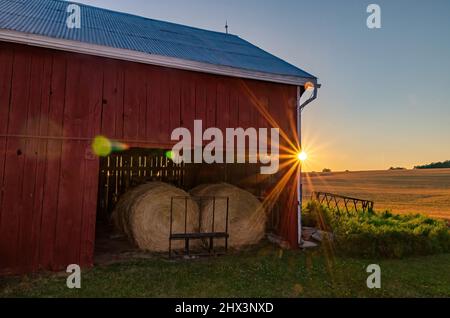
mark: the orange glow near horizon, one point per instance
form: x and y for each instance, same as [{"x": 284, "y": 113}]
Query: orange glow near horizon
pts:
[
  {"x": 293, "y": 160},
  {"x": 290, "y": 164}
]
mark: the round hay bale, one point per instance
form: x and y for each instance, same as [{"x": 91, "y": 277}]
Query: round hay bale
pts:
[
  {"x": 246, "y": 218},
  {"x": 144, "y": 215},
  {"x": 120, "y": 214}
]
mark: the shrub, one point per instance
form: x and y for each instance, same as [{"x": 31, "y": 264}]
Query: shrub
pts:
[{"x": 372, "y": 234}]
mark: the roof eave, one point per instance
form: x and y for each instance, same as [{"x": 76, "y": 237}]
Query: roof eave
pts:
[{"x": 140, "y": 57}]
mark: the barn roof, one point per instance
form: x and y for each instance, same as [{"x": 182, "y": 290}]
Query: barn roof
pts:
[{"x": 125, "y": 36}]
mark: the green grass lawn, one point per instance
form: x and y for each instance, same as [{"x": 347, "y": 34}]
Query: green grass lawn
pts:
[{"x": 265, "y": 271}]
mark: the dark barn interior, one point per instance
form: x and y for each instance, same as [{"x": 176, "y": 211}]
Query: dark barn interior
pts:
[{"x": 121, "y": 171}]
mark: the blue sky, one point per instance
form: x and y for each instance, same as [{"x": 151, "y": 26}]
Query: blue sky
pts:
[{"x": 385, "y": 99}]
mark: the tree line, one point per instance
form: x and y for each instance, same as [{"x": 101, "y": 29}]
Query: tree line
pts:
[{"x": 435, "y": 165}]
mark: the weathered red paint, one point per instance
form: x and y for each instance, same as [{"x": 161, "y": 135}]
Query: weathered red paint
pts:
[{"x": 49, "y": 185}]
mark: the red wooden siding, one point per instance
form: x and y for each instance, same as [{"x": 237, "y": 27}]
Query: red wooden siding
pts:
[{"x": 51, "y": 106}]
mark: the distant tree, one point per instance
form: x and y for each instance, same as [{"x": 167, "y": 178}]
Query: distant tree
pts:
[
  {"x": 435, "y": 165},
  {"x": 326, "y": 170},
  {"x": 397, "y": 168}
]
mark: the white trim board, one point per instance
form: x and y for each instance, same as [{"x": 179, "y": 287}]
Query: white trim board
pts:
[{"x": 134, "y": 56}]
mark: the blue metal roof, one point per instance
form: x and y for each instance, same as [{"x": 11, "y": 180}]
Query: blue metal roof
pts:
[{"x": 125, "y": 31}]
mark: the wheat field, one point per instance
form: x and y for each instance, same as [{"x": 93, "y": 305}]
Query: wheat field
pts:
[{"x": 400, "y": 191}]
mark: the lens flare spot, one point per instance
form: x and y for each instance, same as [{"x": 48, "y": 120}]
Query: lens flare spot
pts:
[
  {"x": 175, "y": 156},
  {"x": 169, "y": 154},
  {"x": 119, "y": 146},
  {"x": 101, "y": 146},
  {"x": 309, "y": 86}
]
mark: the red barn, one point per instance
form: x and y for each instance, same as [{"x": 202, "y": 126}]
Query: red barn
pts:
[{"x": 133, "y": 80}]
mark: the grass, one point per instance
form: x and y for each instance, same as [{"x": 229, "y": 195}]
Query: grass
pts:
[
  {"x": 400, "y": 191},
  {"x": 265, "y": 271},
  {"x": 387, "y": 235}
]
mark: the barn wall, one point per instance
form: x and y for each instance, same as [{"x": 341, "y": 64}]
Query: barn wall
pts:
[{"x": 51, "y": 106}]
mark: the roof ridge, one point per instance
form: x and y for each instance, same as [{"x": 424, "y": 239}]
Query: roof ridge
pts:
[{"x": 144, "y": 18}]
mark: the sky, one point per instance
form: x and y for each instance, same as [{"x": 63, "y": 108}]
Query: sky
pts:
[{"x": 385, "y": 95}]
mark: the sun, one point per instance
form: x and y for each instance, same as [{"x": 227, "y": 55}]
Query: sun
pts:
[{"x": 302, "y": 156}]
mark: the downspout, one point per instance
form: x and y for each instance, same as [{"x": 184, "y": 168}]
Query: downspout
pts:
[{"x": 300, "y": 108}]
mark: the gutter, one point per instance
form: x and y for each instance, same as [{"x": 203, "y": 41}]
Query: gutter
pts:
[{"x": 300, "y": 108}]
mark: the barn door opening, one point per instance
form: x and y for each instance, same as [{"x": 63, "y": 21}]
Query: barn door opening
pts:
[
  {"x": 124, "y": 170},
  {"x": 118, "y": 173}
]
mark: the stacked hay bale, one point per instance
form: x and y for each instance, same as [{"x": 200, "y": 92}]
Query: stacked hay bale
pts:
[
  {"x": 247, "y": 218},
  {"x": 143, "y": 214}
]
